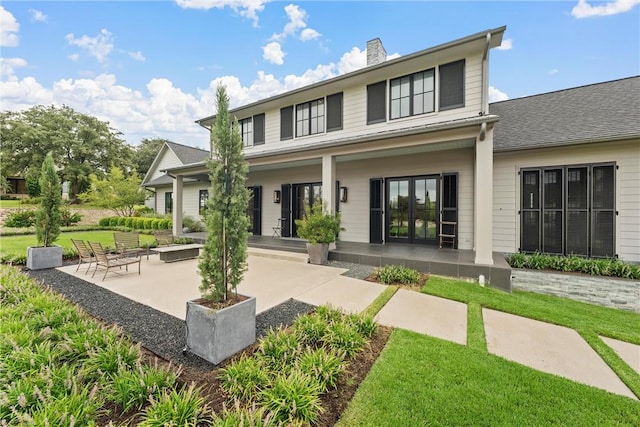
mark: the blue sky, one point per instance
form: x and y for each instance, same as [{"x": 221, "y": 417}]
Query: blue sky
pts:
[{"x": 150, "y": 68}]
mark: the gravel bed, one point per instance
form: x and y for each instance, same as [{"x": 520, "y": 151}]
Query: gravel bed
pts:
[
  {"x": 158, "y": 332},
  {"x": 357, "y": 271}
]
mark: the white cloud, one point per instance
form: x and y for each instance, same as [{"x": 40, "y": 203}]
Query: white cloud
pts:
[
  {"x": 99, "y": 46},
  {"x": 9, "y": 28},
  {"x": 37, "y": 15},
  {"x": 138, "y": 56},
  {"x": 309, "y": 34},
  {"x": 161, "y": 109},
  {"x": 273, "y": 53},
  {"x": 297, "y": 25},
  {"x": 553, "y": 71},
  {"x": 506, "y": 44},
  {"x": 584, "y": 10},
  {"x": 245, "y": 8},
  {"x": 74, "y": 57},
  {"x": 8, "y": 66},
  {"x": 496, "y": 95}
]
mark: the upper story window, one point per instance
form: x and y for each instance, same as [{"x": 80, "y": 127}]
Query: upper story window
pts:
[
  {"x": 246, "y": 130},
  {"x": 415, "y": 94},
  {"x": 252, "y": 130},
  {"x": 313, "y": 117},
  {"x": 412, "y": 95},
  {"x": 310, "y": 118}
]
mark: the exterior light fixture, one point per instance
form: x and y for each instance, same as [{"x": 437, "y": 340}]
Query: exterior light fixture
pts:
[
  {"x": 276, "y": 196},
  {"x": 343, "y": 194}
]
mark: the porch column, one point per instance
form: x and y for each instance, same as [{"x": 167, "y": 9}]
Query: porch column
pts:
[
  {"x": 329, "y": 182},
  {"x": 177, "y": 205},
  {"x": 483, "y": 203}
]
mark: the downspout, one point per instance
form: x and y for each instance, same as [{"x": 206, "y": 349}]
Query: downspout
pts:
[{"x": 485, "y": 86}]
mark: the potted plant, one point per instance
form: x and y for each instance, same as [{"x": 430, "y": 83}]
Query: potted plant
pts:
[
  {"x": 48, "y": 218},
  {"x": 319, "y": 228},
  {"x": 221, "y": 323}
]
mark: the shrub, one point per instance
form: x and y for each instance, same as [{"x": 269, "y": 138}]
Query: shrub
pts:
[
  {"x": 104, "y": 222},
  {"x": 365, "y": 325},
  {"x": 69, "y": 218},
  {"x": 32, "y": 185},
  {"x": 132, "y": 388},
  {"x": 278, "y": 348},
  {"x": 293, "y": 398},
  {"x": 344, "y": 337},
  {"x": 31, "y": 201},
  {"x": 155, "y": 224},
  {"x": 192, "y": 224},
  {"x": 238, "y": 416},
  {"x": 309, "y": 329},
  {"x": 140, "y": 211},
  {"x": 596, "y": 266},
  {"x": 323, "y": 365},
  {"x": 113, "y": 221},
  {"x": 176, "y": 408},
  {"x": 244, "y": 378},
  {"x": 21, "y": 218},
  {"x": 390, "y": 274}
]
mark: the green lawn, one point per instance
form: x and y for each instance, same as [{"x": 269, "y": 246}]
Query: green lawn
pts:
[
  {"x": 419, "y": 380},
  {"x": 11, "y": 204},
  {"x": 17, "y": 245}
]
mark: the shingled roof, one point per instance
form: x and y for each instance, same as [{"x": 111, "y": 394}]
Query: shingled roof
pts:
[
  {"x": 188, "y": 155},
  {"x": 599, "y": 112}
]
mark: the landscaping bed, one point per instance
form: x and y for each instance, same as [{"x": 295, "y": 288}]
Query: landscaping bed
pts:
[{"x": 162, "y": 339}]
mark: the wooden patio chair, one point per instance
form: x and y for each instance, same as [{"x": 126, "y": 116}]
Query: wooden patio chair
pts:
[
  {"x": 84, "y": 254},
  {"x": 104, "y": 260}
]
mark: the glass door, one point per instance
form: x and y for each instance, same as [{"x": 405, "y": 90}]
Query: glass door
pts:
[{"x": 412, "y": 206}]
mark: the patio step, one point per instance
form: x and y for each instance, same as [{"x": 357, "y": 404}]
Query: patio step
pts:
[{"x": 283, "y": 255}]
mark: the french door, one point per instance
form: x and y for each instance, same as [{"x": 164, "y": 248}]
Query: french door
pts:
[
  {"x": 412, "y": 209},
  {"x": 303, "y": 195}
]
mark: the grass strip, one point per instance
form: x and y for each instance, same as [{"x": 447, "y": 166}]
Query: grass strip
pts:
[
  {"x": 436, "y": 382},
  {"x": 604, "y": 321},
  {"x": 615, "y": 362},
  {"x": 380, "y": 301},
  {"x": 475, "y": 328}
]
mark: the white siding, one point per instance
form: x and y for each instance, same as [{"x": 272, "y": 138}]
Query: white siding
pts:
[
  {"x": 160, "y": 197},
  {"x": 355, "y": 113},
  {"x": 355, "y": 176},
  {"x": 506, "y": 224},
  {"x": 168, "y": 160}
]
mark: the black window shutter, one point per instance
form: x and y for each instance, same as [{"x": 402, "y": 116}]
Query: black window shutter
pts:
[
  {"x": 258, "y": 129},
  {"x": 285, "y": 209},
  {"x": 257, "y": 210},
  {"x": 452, "y": 85},
  {"x": 376, "y": 102},
  {"x": 375, "y": 210},
  {"x": 286, "y": 123},
  {"x": 334, "y": 112}
]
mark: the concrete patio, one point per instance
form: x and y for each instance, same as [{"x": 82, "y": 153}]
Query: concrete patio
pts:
[{"x": 274, "y": 277}]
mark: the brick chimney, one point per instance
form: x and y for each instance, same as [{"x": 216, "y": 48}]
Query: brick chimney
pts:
[{"x": 375, "y": 52}]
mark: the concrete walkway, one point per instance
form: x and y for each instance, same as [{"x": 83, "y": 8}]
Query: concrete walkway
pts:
[{"x": 274, "y": 277}]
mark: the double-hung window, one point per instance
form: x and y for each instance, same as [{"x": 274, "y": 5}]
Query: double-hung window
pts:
[
  {"x": 310, "y": 118},
  {"x": 412, "y": 95}
]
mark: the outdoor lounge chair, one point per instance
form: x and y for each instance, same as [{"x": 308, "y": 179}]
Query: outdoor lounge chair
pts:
[
  {"x": 84, "y": 254},
  {"x": 106, "y": 261},
  {"x": 129, "y": 244}
]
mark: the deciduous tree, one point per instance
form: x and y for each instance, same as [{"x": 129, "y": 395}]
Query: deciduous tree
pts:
[
  {"x": 116, "y": 191},
  {"x": 80, "y": 144}
]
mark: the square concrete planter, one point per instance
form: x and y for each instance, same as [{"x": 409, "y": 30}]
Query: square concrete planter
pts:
[
  {"x": 318, "y": 253},
  {"x": 41, "y": 257},
  {"x": 216, "y": 335}
]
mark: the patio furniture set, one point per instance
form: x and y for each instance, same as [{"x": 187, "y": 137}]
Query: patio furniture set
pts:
[{"x": 129, "y": 251}]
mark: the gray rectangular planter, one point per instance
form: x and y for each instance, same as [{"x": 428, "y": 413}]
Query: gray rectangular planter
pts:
[
  {"x": 216, "y": 335},
  {"x": 41, "y": 257}
]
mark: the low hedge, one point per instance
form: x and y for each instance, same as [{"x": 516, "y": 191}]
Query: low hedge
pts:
[
  {"x": 136, "y": 223},
  {"x": 613, "y": 267}
]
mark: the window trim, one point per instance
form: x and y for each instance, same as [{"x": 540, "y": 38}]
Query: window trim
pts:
[{"x": 241, "y": 125}]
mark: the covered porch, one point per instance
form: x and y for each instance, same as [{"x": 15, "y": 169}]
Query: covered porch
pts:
[{"x": 424, "y": 258}]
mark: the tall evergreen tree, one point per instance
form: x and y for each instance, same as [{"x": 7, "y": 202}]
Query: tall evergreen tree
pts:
[
  {"x": 48, "y": 216},
  {"x": 224, "y": 257}
]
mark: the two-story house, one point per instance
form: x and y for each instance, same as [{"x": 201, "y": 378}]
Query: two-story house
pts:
[{"x": 405, "y": 150}]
